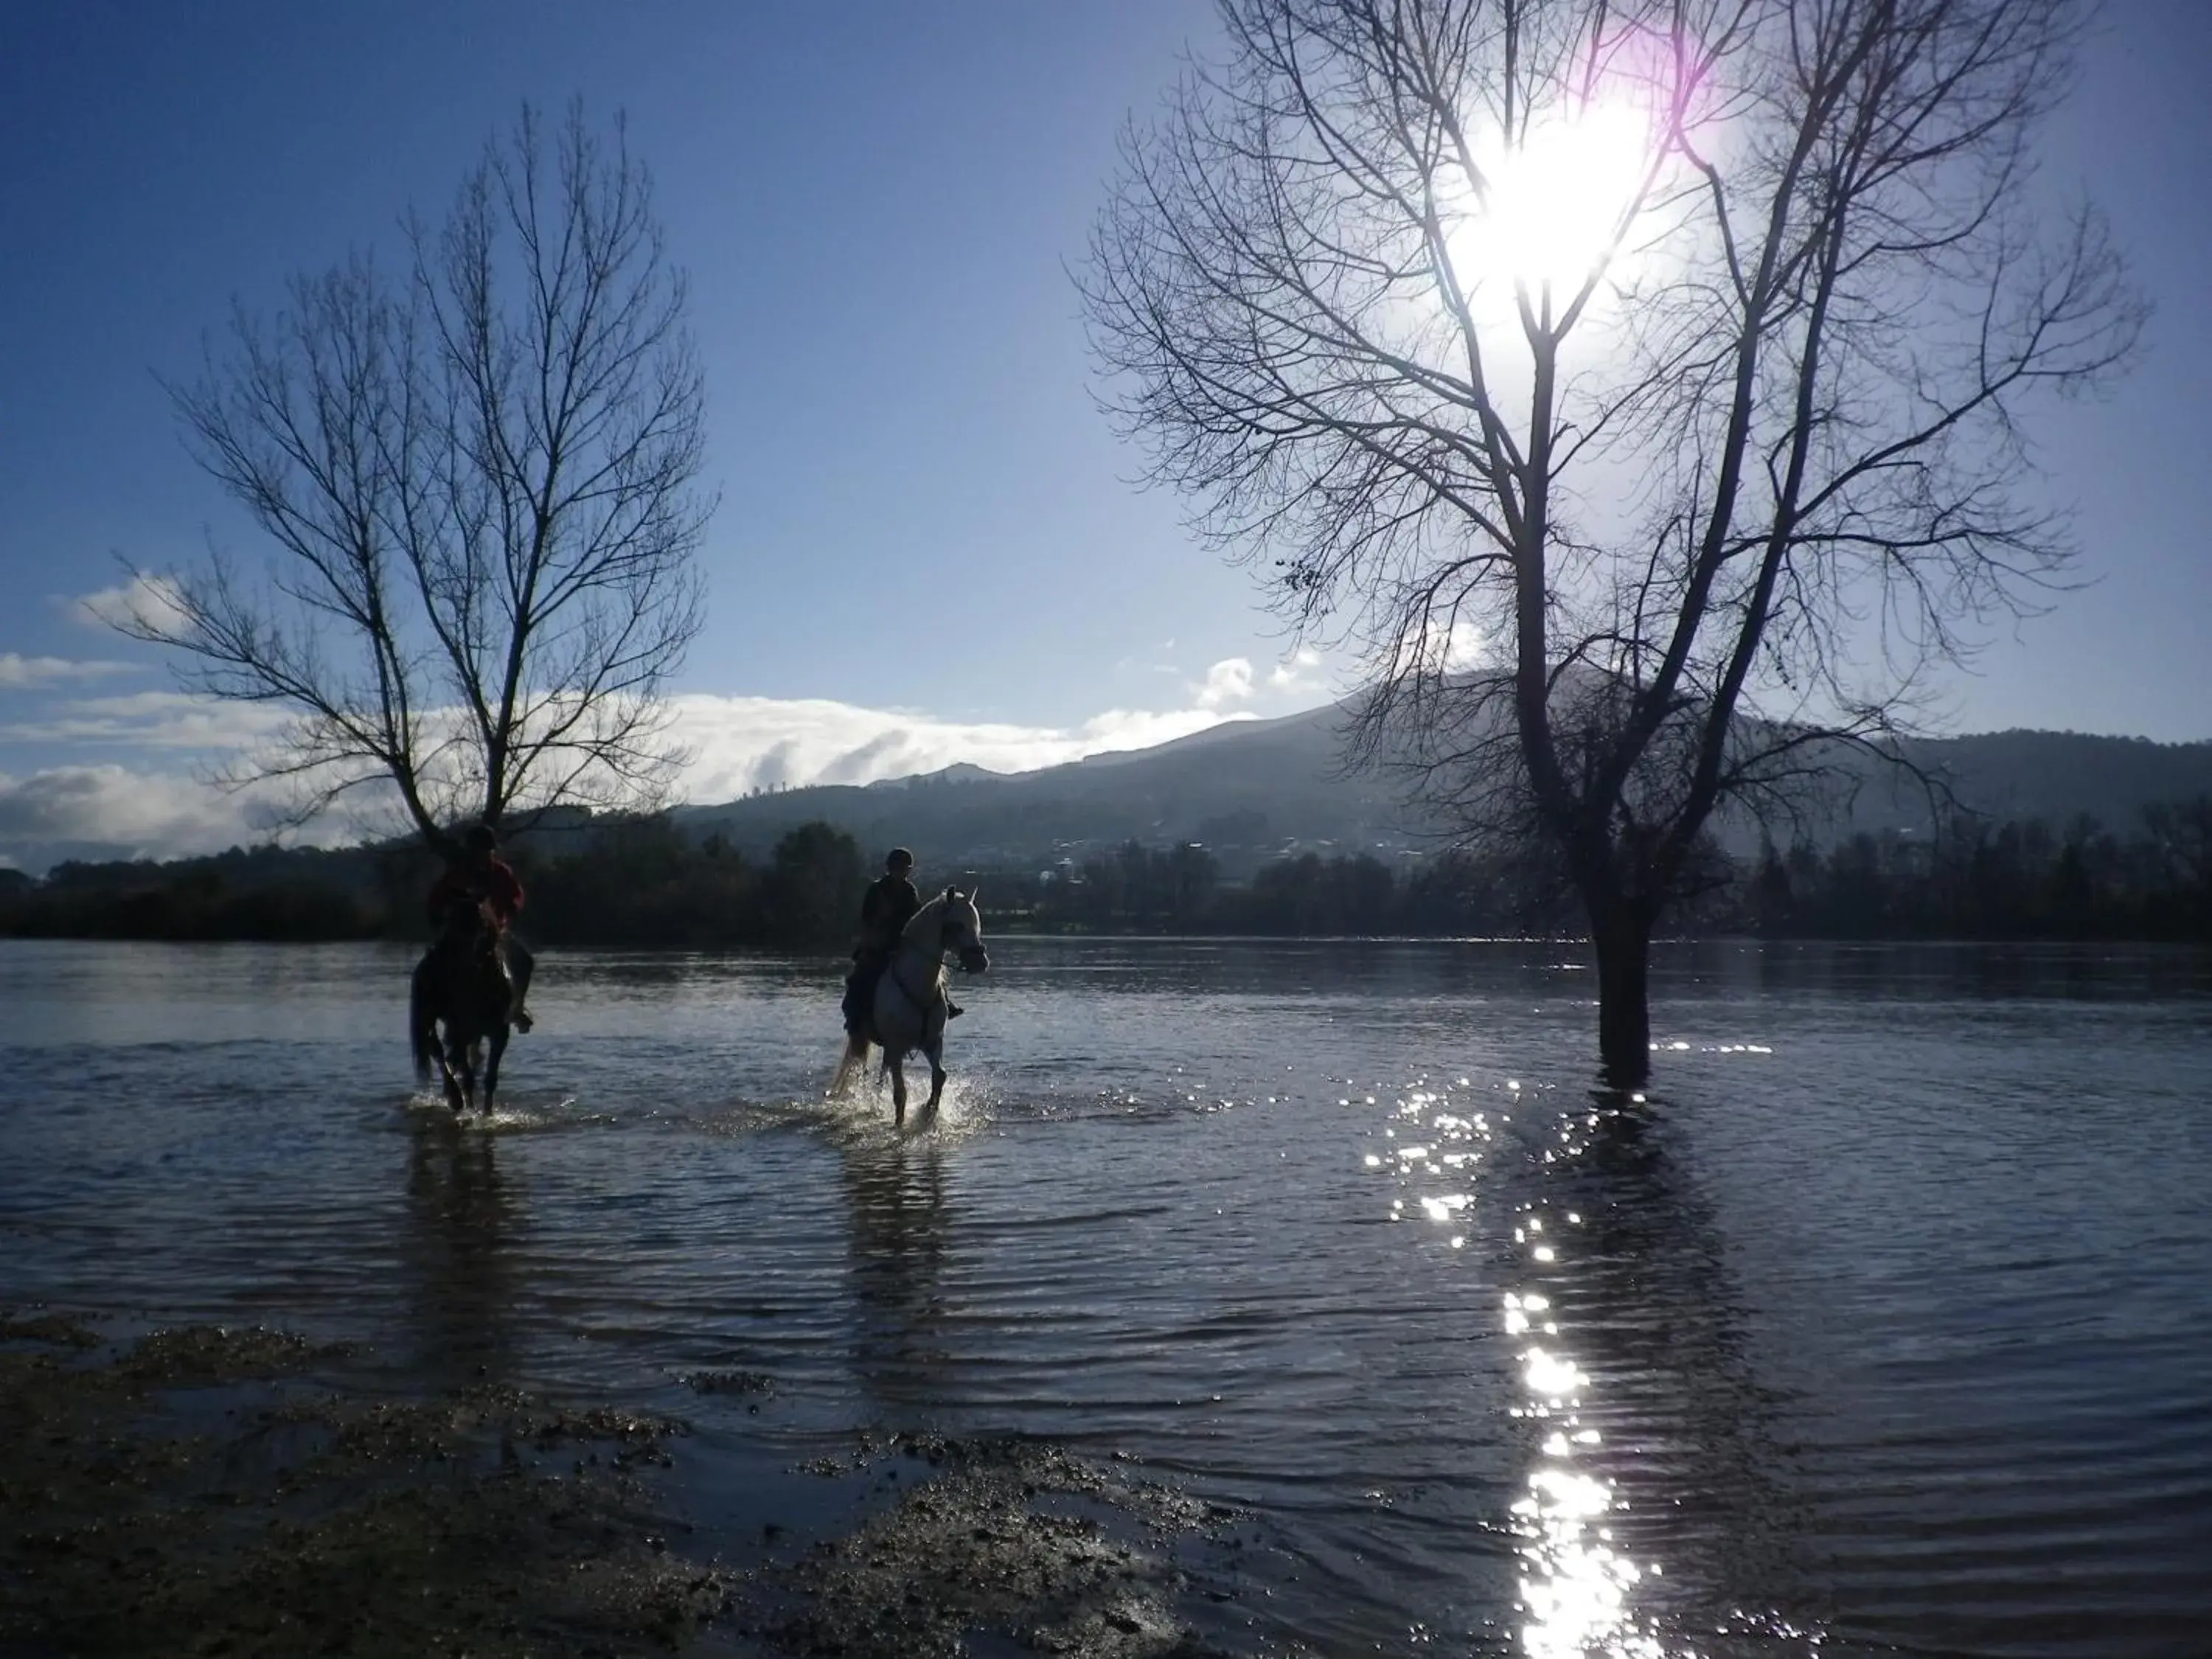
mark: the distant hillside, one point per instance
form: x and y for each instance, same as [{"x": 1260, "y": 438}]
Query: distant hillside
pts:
[
  {"x": 1250, "y": 790},
  {"x": 1247, "y": 789},
  {"x": 2056, "y": 775}
]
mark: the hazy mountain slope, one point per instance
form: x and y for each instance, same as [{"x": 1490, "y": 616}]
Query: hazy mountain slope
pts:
[
  {"x": 1247, "y": 788},
  {"x": 2058, "y": 774}
]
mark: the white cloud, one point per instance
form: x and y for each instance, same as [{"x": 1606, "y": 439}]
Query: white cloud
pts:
[
  {"x": 1228, "y": 681},
  {"x": 1463, "y": 646},
  {"x": 21, "y": 673},
  {"x": 1234, "y": 680},
  {"x": 737, "y": 744},
  {"x": 145, "y": 602},
  {"x": 1302, "y": 671},
  {"x": 149, "y": 719},
  {"x": 740, "y": 743},
  {"x": 126, "y": 813}
]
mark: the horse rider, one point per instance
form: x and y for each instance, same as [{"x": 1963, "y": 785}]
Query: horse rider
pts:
[
  {"x": 885, "y": 909},
  {"x": 475, "y": 874}
]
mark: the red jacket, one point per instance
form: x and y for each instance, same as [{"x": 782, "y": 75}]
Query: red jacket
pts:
[{"x": 494, "y": 882}]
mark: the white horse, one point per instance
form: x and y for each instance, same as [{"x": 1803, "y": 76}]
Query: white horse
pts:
[{"x": 909, "y": 1011}]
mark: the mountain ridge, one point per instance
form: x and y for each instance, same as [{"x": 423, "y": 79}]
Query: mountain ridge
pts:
[{"x": 1251, "y": 790}]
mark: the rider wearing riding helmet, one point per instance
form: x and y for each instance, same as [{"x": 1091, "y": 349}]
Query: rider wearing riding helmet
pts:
[{"x": 475, "y": 874}]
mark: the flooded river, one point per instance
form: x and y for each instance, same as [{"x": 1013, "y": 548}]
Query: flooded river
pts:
[{"x": 1883, "y": 1325}]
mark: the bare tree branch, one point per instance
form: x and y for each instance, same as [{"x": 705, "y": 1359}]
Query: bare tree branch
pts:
[
  {"x": 477, "y": 484},
  {"x": 1720, "y": 495}
]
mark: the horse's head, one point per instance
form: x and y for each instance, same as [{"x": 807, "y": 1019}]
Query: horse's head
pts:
[{"x": 960, "y": 929}]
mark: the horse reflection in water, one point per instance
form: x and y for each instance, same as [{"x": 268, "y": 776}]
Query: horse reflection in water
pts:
[
  {"x": 899, "y": 1242},
  {"x": 457, "y": 1259},
  {"x": 910, "y": 1005},
  {"x": 462, "y": 985}
]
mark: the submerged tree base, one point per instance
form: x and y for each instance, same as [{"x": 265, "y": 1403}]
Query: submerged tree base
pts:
[{"x": 1622, "y": 949}]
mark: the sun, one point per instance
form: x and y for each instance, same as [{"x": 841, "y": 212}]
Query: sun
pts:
[{"x": 1544, "y": 215}]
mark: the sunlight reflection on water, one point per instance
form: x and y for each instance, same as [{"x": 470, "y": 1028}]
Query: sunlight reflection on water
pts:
[{"x": 1575, "y": 1587}]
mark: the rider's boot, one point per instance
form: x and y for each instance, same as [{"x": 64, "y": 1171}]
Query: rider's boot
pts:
[{"x": 953, "y": 1010}]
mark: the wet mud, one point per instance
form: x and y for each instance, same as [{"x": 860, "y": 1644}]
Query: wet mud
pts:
[
  {"x": 242, "y": 1491},
  {"x": 991, "y": 1547}
]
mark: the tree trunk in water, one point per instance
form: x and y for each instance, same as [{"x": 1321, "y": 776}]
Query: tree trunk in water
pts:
[{"x": 1622, "y": 940}]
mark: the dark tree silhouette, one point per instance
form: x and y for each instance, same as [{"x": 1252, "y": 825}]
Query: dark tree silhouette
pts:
[
  {"x": 816, "y": 879},
  {"x": 1634, "y": 384},
  {"x": 477, "y": 485}
]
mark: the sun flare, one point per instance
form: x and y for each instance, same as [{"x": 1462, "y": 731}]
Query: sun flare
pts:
[{"x": 1545, "y": 213}]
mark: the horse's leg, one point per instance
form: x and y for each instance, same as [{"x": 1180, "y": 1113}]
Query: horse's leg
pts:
[
  {"x": 519, "y": 965},
  {"x": 422, "y": 1023},
  {"x": 896, "y": 1059},
  {"x": 932, "y": 1044},
  {"x": 468, "y": 1058},
  {"x": 491, "y": 1064},
  {"x": 446, "y": 1054}
]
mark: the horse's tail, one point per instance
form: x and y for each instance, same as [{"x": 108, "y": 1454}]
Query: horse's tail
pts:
[
  {"x": 420, "y": 1021},
  {"x": 851, "y": 1060}
]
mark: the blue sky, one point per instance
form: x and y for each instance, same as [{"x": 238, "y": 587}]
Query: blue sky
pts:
[{"x": 927, "y": 540}]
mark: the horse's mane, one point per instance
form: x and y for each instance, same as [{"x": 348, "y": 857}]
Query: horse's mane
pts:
[{"x": 932, "y": 908}]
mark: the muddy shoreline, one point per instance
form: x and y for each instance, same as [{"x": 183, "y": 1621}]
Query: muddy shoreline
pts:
[{"x": 233, "y": 1490}]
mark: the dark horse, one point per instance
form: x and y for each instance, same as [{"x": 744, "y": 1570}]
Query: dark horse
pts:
[{"x": 463, "y": 984}]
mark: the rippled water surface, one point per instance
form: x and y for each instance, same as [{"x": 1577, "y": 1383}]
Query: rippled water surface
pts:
[{"x": 1885, "y": 1325}]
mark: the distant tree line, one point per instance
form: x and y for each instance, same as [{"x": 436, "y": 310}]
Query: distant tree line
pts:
[
  {"x": 2023, "y": 879},
  {"x": 1142, "y": 889},
  {"x": 301, "y": 895},
  {"x": 1972, "y": 879},
  {"x": 639, "y": 883},
  {"x": 644, "y": 883}
]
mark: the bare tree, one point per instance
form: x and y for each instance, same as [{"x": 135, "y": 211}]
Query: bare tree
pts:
[
  {"x": 477, "y": 483},
  {"x": 1632, "y": 384}
]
